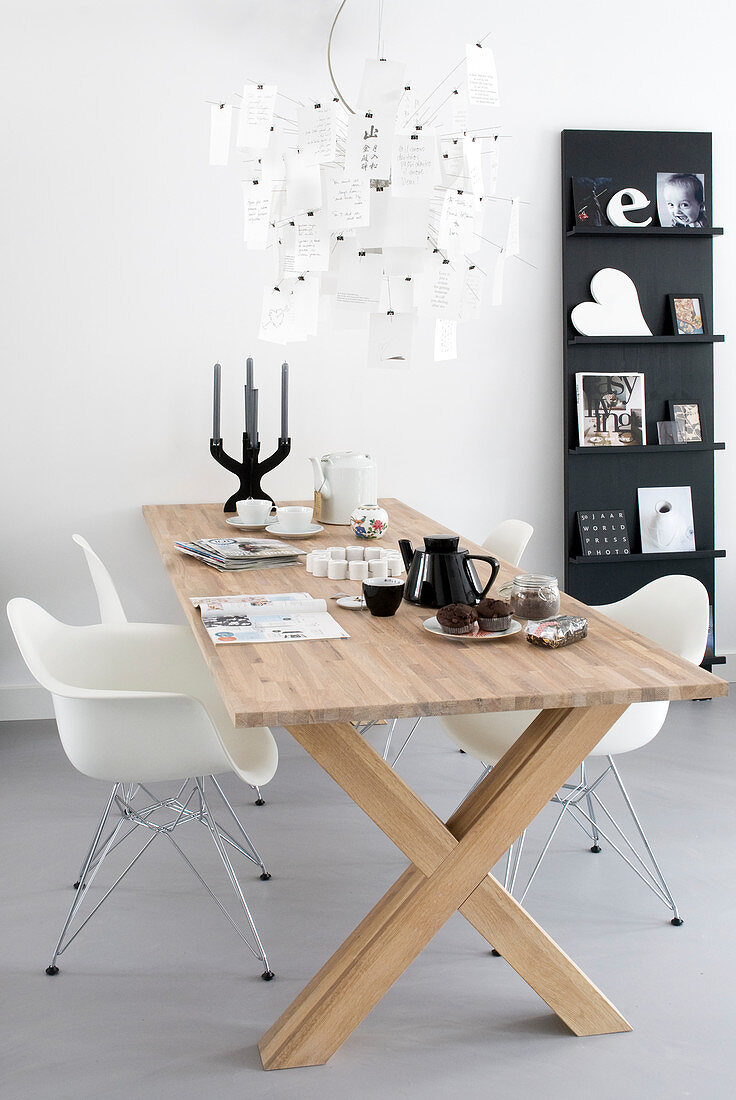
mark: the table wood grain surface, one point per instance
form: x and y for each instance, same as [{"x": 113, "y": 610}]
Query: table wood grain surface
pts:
[{"x": 392, "y": 667}]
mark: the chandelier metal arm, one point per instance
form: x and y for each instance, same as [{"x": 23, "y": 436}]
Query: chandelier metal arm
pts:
[{"x": 329, "y": 59}]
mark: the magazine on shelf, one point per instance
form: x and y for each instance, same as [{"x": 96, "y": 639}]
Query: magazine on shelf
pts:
[
  {"x": 228, "y": 554},
  {"x": 273, "y": 617},
  {"x": 611, "y": 410}
]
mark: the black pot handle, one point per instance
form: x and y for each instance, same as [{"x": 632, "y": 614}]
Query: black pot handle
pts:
[{"x": 489, "y": 561}]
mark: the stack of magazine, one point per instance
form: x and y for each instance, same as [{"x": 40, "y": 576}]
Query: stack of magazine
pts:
[
  {"x": 267, "y": 617},
  {"x": 233, "y": 554}
]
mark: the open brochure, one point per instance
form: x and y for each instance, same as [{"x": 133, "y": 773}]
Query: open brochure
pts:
[{"x": 276, "y": 617}]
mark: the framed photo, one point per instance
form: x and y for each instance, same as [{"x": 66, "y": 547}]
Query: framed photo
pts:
[
  {"x": 666, "y": 433},
  {"x": 666, "y": 519},
  {"x": 590, "y": 196},
  {"x": 686, "y": 418},
  {"x": 688, "y": 314},
  {"x": 681, "y": 200}
]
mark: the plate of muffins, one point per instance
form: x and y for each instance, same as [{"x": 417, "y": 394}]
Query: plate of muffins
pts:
[{"x": 488, "y": 621}]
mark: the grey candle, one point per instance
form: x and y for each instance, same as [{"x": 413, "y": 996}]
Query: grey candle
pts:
[
  {"x": 284, "y": 400},
  {"x": 216, "y": 405},
  {"x": 247, "y": 410},
  {"x": 254, "y": 415},
  {"x": 249, "y": 373}
]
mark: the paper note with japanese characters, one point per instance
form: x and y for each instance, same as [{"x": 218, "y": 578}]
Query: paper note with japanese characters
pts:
[{"x": 368, "y": 145}]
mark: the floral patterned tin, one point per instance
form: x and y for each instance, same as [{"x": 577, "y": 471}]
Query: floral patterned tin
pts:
[{"x": 369, "y": 521}]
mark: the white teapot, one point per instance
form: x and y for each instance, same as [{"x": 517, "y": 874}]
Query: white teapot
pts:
[{"x": 343, "y": 481}]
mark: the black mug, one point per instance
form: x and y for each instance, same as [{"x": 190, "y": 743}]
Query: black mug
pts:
[{"x": 383, "y": 595}]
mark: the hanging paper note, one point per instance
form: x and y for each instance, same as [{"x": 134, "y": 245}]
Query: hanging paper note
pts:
[
  {"x": 459, "y": 109},
  {"x": 359, "y": 283},
  {"x": 312, "y": 243},
  {"x": 414, "y": 166},
  {"x": 498, "y": 280},
  {"x": 368, "y": 145},
  {"x": 443, "y": 290},
  {"x": 452, "y": 164},
  {"x": 456, "y": 235},
  {"x": 472, "y": 153},
  {"x": 303, "y": 185},
  {"x": 407, "y": 222},
  {"x": 277, "y": 316},
  {"x": 482, "y": 78},
  {"x": 445, "y": 340},
  {"x": 271, "y": 160},
  {"x": 317, "y": 138},
  {"x": 397, "y": 293},
  {"x": 472, "y": 295},
  {"x": 408, "y": 110},
  {"x": 221, "y": 119},
  {"x": 285, "y": 254},
  {"x": 404, "y": 261},
  {"x": 255, "y": 116},
  {"x": 348, "y": 202},
  {"x": 492, "y": 158},
  {"x": 256, "y": 210},
  {"x": 382, "y": 85},
  {"x": 390, "y": 338},
  {"x": 512, "y": 234}
]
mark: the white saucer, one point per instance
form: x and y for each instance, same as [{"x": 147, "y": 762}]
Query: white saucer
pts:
[
  {"x": 277, "y": 529},
  {"x": 477, "y": 636},
  {"x": 234, "y": 521},
  {"x": 354, "y": 603}
]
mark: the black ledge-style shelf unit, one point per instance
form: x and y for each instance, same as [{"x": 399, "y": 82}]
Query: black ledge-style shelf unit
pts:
[{"x": 661, "y": 261}]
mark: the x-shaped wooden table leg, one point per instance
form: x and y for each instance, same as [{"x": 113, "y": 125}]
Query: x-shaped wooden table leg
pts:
[{"x": 448, "y": 871}]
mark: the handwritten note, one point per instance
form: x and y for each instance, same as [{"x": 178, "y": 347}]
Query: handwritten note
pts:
[
  {"x": 256, "y": 210},
  {"x": 285, "y": 254},
  {"x": 317, "y": 138},
  {"x": 368, "y": 145},
  {"x": 492, "y": 159},
  {"x": 445, "y": 340},
  {"x": 414, "y": 166},
  {"x": 312, "y": 244},
  {"x": 390, "y": 339},
  {"x": 277, "y": 316},
  {"x": 472, "y": 295},
  {"x": 408, "y": 110},
  {"x": 452, "y": 163},
  {"x": 472, "y": 152},
  {"x": 255, "y": 116},
  {"x": 459, "y": 110},
  {"x": 456, "y": 235},
  {"x": 482, "y": 77},
  {"x": 443, "y": 290},
  {"x": 303, "y": 185},
  {"x": 221, "y": 119},
  {"x": 348, "y": 202},
  {"x": 512, "y": 234}
]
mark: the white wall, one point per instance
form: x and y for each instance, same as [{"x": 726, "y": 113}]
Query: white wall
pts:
[{"x": 124, "y": 275}]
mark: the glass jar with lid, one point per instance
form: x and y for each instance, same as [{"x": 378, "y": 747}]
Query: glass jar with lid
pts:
[{"x": 533, "y": 596}]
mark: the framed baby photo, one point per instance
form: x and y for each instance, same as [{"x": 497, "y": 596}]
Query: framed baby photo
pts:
[
  {"x": 681, "y": 200},
  {"x": 688, "y": 314},
  {"x": 685, "y": 415}
]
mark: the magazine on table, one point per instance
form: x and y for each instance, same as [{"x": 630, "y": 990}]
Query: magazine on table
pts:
[
  {"x": 273, "y": 617},
  {"x": 228, "y": 554},
  {"x": 611, "y": 410}
]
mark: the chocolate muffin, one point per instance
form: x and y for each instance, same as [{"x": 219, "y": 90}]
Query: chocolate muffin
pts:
[
  {"x": 494, "y": 615},
  {"x": 457, "y": 618}
]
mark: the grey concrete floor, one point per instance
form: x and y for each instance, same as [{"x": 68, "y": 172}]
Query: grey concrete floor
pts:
[{"x": 158, "y": 995}]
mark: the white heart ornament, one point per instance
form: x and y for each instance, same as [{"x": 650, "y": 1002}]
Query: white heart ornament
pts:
[{"x": 616, "y": 310}]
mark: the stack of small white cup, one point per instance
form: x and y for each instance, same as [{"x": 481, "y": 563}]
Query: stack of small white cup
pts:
[{"x": 355, "y": 563}]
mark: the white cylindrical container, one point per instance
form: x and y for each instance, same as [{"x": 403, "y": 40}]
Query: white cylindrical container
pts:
[
  {"x": 337, "y": 569},
  {"x": 358, "y": 570},
  {"x": 338, "y": 553},
  {"x": 395, "y": 567},
  {"x": 378, "y": 568},
  {"x": 372, "y": 553},
  {"x": 319, "y": 566},
  {"x": 355, "y": 553}
]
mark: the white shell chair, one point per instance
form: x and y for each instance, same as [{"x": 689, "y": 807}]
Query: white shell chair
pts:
[
  {"x": 672, "y": 611},
  {"x": 135, "y": 705},
  {"x": 507, "y": 541},
  {"x": 111, "y": 608}
]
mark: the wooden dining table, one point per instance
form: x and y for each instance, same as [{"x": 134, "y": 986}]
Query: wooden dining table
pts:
[{"x": 394, "y": 668}]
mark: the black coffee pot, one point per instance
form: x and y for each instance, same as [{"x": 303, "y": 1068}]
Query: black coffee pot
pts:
[{"x": 441, "y": 573}]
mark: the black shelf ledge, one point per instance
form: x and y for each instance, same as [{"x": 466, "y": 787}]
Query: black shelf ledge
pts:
[
  {"x": 684, "y": 340},
  {"x": 641, "y": 231},
  {"x": 712, "y": 659},
  {"x": 658, "y": 447},
  {"x": 618, "y": 559}
]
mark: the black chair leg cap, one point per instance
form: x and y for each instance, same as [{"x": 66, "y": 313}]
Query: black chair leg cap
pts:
[
  {"x": 52, "y": 970},
  {"x": 265, "y": 876},
  {"x": 677, "y": 921},
  {"x": 596, "y": 848},
  {"x": 268, "y": 975},
  {"x": 496, "y": 954},
  {"x": 76, "y": 885},
  {"x": 260, "y": 802}
]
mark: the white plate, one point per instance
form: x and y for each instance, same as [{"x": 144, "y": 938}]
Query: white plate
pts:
[
  {"x": 354, "y": 603},
  {"x": 312, "y": 529},
  {"x": 477, "y": 636},
  {"x": 234, "y": 521}
]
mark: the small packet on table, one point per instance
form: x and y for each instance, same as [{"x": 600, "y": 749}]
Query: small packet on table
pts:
[{"x": 556, "y": 632}]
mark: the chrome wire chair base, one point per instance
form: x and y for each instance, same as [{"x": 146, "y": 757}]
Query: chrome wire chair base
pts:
[
  {"x": 363, "y": 728},
  {"x": 132, "y": 806},
  {"x": 581, "y": 801}
]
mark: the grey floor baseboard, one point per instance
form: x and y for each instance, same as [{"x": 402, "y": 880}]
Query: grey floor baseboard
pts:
[{"x": 24, "y": 702}]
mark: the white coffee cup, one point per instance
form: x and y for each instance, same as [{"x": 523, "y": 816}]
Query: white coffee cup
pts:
[
  {"x": 337, "y": 569},
  {"x": 254, "y": 511},
  {"x": 358, "y": 570},
  {"x": 294, "y": 517}
]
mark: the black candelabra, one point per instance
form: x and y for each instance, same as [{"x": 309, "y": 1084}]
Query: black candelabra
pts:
[{"x": 251, "y": 469}]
